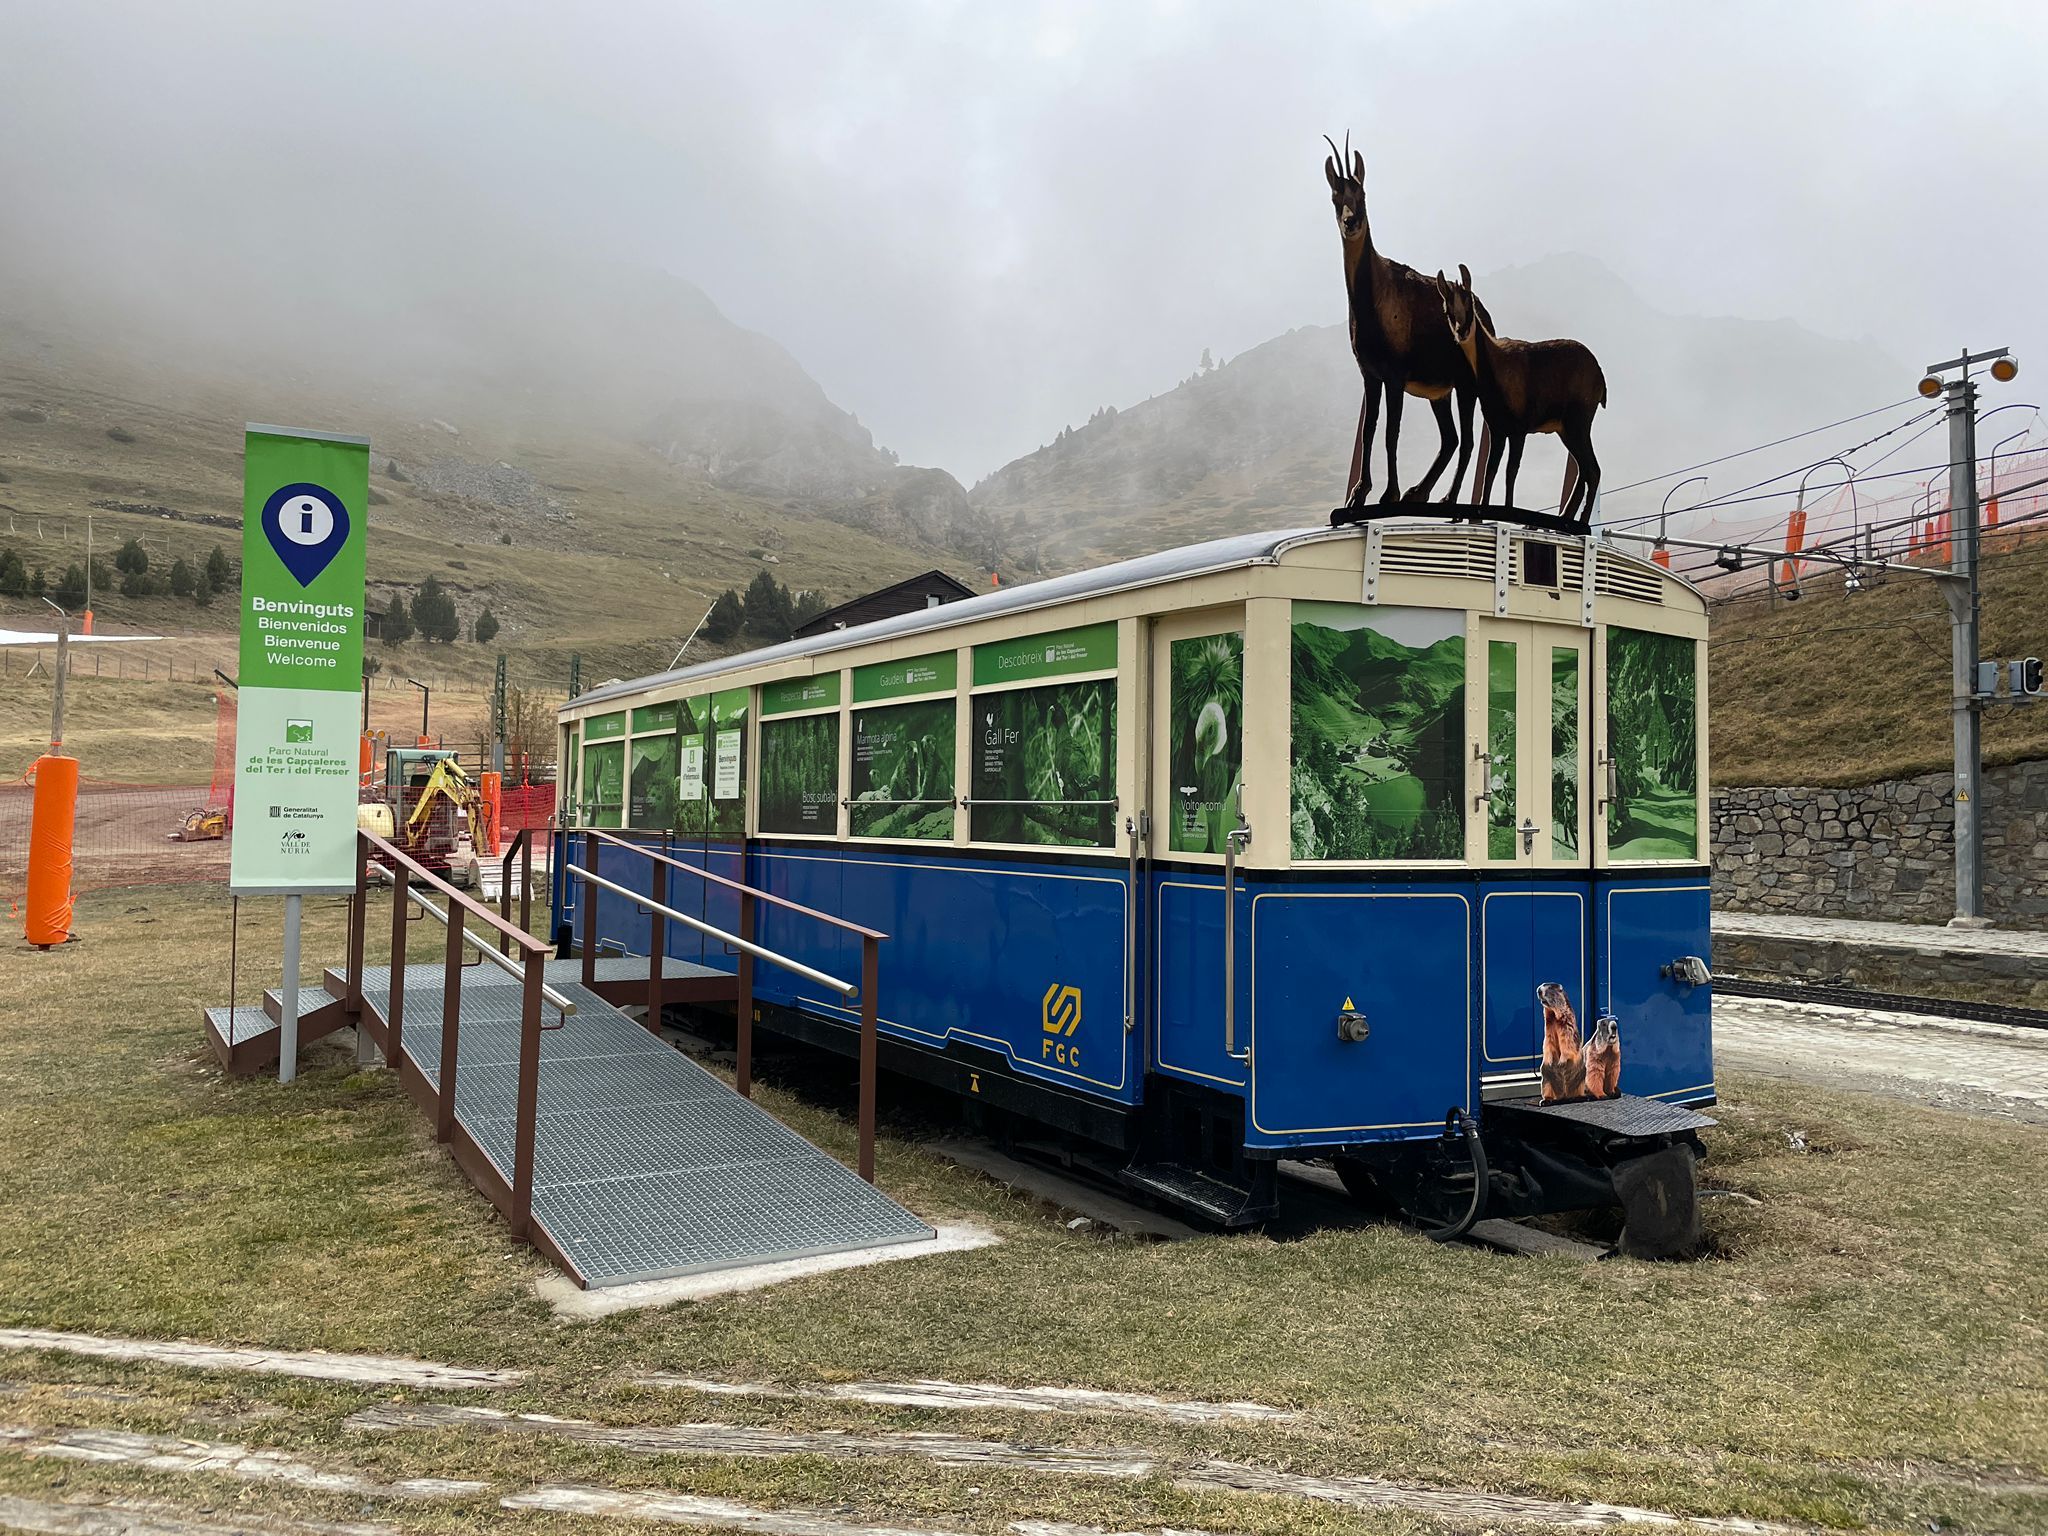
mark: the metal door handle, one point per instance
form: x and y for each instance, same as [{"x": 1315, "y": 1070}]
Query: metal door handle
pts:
[{"x": 1529, "y": 829}]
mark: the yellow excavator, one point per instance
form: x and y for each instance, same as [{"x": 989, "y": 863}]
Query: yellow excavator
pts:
[{"x": 429, "y": 801}]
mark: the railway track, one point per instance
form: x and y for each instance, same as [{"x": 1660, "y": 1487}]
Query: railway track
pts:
[{"x": 1882, "y": 1002}]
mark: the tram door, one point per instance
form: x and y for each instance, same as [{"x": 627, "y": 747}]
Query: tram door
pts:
[{"x": 1529, "y": 725}]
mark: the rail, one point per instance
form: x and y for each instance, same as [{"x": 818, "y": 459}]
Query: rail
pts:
[
  {"x": 659, "y": 913},
  {"x": 403, "y": 870}
]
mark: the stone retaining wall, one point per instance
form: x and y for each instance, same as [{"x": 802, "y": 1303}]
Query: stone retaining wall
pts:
[{"x": 1883, "y": 851}]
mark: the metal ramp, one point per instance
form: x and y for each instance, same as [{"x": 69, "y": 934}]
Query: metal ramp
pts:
[{"x": 644, "y": 1164}]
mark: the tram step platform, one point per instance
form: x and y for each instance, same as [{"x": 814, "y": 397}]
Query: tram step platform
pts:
[
  {"x": 1625, "y": 1115},
  {"x": 1217, "y": 1200},
  {"x": 245, "y": 1039}
]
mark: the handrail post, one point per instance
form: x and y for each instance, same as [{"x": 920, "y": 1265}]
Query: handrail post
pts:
[
  {"x": 657, "y": 944},
  {"x": 394, "y": 1022},
  {"x": 505, "y": 896},
  {"x": 743, "y": 1066},
  {"x": 529, "y": 1090},
  {"x": 526, "y": 878},
  {"x": 589, "y": 912},
  {"x": 451, "y": 1025},
  {"x": 869, "y": 969}
]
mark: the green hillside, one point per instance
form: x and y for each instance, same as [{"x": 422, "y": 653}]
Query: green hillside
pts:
[{"x": 1842, "y": 688}]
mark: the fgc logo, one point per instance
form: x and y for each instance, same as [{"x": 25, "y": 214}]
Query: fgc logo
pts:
[{"x": 1061, "y": 1013}]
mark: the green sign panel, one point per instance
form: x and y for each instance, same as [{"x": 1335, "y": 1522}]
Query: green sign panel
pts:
[
  {"x": 305, "y": 512},
  {"x": 654, "y": 717},
  {"x": 936, "y": 673},
  {"x": 604, "y": 727},
  {"x": 795, "y": 693},
  {"x": 1091, "y": 648}
]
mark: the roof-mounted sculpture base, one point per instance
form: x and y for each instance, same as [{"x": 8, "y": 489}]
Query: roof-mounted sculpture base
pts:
[{"x": 1458, "y": 512}]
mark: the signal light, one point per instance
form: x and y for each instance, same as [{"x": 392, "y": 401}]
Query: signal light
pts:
[
  {"x": 2029, "y": 678},
  {"x": 1930, "y": 386},
  {"x": 2005, "y": 369}
]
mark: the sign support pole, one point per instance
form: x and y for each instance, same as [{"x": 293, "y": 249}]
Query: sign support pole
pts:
[{"x": 288, "y": 1025}]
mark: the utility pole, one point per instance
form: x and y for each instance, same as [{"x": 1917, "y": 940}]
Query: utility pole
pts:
[
  {"x": 498, "y": 719},
  {"x": 1964, "y": 608}
]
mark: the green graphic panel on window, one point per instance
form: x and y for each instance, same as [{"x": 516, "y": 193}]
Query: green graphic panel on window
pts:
[
  {"x": 604, "y": 778},
  {"x": 693, "y": 767},
  {"x": 1044, "y": 766},
  {"x": 1500, "y": 749},
  {"x": 1652, "y": 735},
  {"x": 725, "y": 762},
  {"x": 1378, "y": 711},
  {"x": 1564, "y": 752},
  {"x": 652, "y": 798},
  {"x": 800, "y": 775},
  {"x": 574, "y": 809},
  {"x": 1206, "y": 739},
  {"x": 903, "y": 771}
]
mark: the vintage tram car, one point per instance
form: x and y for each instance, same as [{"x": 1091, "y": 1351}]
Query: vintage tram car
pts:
[{"x": 1254, "y": 850}]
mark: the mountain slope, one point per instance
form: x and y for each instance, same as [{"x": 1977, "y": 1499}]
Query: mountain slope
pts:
[{"x": 1265, "y": 440}]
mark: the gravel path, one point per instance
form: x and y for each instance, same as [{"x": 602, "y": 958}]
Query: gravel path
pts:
[{"x": 1991, "y": 1069}]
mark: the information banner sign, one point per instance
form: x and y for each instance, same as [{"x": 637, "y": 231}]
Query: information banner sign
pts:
[{"x": 305, "y": 505}]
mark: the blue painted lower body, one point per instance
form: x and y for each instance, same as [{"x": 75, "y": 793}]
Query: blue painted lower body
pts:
[{"x": 1025, "y": 964}]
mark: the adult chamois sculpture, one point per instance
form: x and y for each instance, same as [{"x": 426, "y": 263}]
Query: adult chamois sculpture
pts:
[
  {"x": 1398, "y": 338},
  {"x": 1524, "y": 387}
]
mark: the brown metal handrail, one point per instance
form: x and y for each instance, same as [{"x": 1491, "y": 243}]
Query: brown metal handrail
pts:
[
  {"x": 521, "y": 845},
  {"x": 517, "y": 1201},
  {"x": 657, "y": 946}
]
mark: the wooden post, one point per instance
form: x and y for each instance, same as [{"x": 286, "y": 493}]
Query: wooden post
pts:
[
  {"x": 869, "y": 969},
  {"x": 529, "y": 1090},
  {"x": 588, "y": 908},
  {"x": 743, "y": 1067},
  {"x": 394, "y": 1024},
  {"x": 657, "y": 943},
  {"x": 451, "y": 1024}
]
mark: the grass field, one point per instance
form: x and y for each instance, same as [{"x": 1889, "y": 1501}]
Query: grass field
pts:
[{"x": 1866, "y": 1349}]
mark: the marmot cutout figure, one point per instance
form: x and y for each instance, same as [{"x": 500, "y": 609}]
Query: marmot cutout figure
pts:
[
  {"x": 1603, "y": 1060},
  {"x": 1564, "y": 1065}
]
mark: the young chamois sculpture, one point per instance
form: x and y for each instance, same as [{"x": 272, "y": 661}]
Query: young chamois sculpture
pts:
[
  {"x": 1398, "y": 338},
  {"x": 1524, "y": 387}
]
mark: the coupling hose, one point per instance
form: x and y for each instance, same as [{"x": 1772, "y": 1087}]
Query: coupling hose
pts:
[{"x": 1458, "y": 1120}]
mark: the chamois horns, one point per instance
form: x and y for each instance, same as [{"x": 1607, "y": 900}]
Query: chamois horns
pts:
[{"x": 1343, "y": 162}]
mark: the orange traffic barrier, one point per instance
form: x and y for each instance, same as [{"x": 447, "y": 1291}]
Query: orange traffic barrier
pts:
[{"x": 51, "y": 815}]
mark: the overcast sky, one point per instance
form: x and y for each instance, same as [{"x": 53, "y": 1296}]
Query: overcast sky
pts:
[{"x": 974, "y": 222}]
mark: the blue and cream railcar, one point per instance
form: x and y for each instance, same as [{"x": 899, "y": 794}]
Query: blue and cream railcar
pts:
[{"x": 1250, "y": 850}]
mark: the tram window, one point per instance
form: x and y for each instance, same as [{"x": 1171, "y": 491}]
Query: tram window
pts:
[
  {"x": 1378, "y": 713},
  {"x": 651, "y": 782},
  {"x": 1045, "y": 765},
  {"x": 903, "y": 770},
  {"x": 1564, "y": 751},
  {"x": 1539, "y": 563},
  {"x": 800, "y": 775},
  {"x": 1500, "y": 749},
  {"x": 1205, "y": 740},
  {"x": 604, "y": 773},
  {"x": 693, "y": 788},
  {"x": 572, "y": 813},
  {"x": 1652, "y": 736},
  {"x": 725, "y": 756}
]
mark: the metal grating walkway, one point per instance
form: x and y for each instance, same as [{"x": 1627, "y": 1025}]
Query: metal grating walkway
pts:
[{"x": 645, "y": 1165}]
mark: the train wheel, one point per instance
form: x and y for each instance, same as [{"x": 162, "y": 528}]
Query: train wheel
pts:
[
  {"x": 1363, "y": 1188},
  {"x": 1660, "y": 1208}
]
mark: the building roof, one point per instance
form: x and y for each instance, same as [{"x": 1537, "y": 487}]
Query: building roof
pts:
[
  {"x": 1240, "y": 550},
  {"x": 925, "y": 579}
]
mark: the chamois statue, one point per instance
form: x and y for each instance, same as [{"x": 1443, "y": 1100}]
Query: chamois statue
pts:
[
  {"x": 1524, "y": 387},
  {"x": 1400, "y": 344}
]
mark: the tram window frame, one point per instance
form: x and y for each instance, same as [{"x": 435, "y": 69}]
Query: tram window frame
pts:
[
  {"x": 1613, "y": 741},
  {"x": 978, "y": 743},
  {"x": 769, "y": 728},
  {"x": 951, "y": 801},
  {"x": 1070, "y": 658},
  {"x": 1455, "y": 709}
]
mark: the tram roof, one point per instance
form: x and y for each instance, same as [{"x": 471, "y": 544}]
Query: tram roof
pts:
[{"x": 1239, "y": 551}]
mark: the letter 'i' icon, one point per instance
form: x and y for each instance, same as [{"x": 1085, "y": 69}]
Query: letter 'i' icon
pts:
[{"x": 307, "y": 525}]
